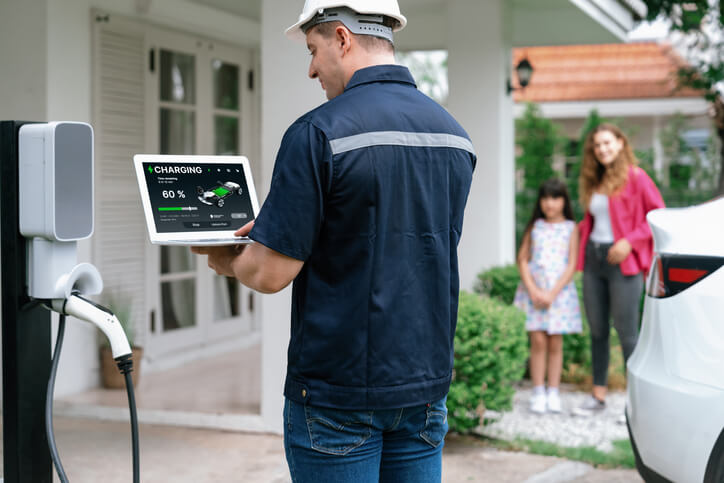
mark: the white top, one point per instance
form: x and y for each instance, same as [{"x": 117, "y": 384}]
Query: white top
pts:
[{"x": 602, "y": 231}]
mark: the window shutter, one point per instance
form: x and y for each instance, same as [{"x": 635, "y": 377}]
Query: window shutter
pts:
[{"x": 119, "y": 247}]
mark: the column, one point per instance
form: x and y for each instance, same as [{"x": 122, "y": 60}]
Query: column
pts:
[
  {"x": 479, "y": 50},
  {"x": 286, "y": 93}
]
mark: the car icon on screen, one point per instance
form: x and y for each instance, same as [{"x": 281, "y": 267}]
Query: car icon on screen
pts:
[{"x": 217, "y": 194}]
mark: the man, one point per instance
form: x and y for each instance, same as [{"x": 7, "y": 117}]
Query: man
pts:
[{"x": 364, "y": 214}]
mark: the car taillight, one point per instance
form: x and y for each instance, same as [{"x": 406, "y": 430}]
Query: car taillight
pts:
[{"x": 671, "y": 274}]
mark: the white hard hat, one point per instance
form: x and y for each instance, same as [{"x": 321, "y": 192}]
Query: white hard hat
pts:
[{"x": 388, "y": 8}]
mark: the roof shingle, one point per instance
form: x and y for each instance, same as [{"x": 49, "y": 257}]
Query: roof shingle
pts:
[{"x": 597, "y": 72}]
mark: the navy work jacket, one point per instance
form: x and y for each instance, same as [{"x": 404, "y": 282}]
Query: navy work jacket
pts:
[{"x": 369, "y": 191}]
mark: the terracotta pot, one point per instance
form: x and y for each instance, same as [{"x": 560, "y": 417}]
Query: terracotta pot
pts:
[{"x": 112, "y": 377}]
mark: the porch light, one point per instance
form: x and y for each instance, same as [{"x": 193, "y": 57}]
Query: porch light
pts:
[{"x": 524, "y": 71}]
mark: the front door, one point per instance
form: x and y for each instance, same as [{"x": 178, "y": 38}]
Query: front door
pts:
[{"x": 198, "y": 104}]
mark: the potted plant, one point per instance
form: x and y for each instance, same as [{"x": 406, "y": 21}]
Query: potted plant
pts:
[{"x": 111, "y": 376}]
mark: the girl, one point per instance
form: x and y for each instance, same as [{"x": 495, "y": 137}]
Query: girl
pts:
[
  {"x": 547, "y": 262},
  {"x": 616, "y": 246}
]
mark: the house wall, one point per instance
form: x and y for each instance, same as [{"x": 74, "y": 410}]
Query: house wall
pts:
[
  {"x": 479, "y": 53},
  {"x": 23, "y": 36},
  {"x": 643, "y": 132},
  {"x": 50, "y": 78},
  {"x": 640, "y": 129},
  {"x": 42, "y": 81},
  {"x": 541, "y": 23},
  {"x": 22, "y": 96},
  {"x": 69, "y": 99}
]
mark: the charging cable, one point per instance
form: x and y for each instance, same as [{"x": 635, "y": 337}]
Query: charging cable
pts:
[
  {"x": 49, "y": 402},
  {"x": 104, "y": 319}
]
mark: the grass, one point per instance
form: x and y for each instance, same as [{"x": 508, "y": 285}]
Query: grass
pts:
[{"x": 620, "y": 457}]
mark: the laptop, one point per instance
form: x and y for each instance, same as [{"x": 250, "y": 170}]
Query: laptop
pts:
[{"x": 196, "y": 200}]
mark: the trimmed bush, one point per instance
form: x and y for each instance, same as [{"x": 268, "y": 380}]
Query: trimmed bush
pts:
[
  {"x": 490, "y": 353},
  {"x": 499, "y": 283}
]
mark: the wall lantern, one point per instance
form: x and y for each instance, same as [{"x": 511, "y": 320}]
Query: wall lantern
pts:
[{"x": 524, "y": 70}]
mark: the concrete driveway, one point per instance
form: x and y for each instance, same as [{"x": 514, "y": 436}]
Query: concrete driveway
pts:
[{"x": 95, "y": 451}]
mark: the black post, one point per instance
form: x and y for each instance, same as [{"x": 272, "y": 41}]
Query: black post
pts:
[{"x": 25, "y": 337}]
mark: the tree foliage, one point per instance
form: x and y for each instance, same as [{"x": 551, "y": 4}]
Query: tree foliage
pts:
[
  {"x": 692, "y": 171},
  {"x": 701, "y": 22},
  {"x": 537, "y": 140},
  {"x": 686, "y": 15}
]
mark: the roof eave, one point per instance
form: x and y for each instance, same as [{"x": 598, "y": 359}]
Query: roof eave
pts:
[
  {"x": 617, "y": 16},
  {"x": 637, "y": 7}
]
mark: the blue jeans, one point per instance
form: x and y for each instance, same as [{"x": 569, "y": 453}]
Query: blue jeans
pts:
[{"x": 391, "y": 445}]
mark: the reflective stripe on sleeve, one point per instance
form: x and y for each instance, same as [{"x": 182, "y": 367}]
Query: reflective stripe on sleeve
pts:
[{"x": 400, "y": 138}]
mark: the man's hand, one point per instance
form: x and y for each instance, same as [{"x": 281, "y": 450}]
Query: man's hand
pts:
[
  {"x": 619, "y": 251},
  {"x": 245, "y": 230},
  {"x": 221, "y": 259}
]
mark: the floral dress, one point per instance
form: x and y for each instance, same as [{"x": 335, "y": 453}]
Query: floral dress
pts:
[{"x": 550, "y": 248}]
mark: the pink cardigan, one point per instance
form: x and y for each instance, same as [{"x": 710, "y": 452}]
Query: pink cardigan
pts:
[{"x": 627, "y": 210}]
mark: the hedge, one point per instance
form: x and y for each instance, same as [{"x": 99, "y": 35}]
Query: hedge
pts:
[{"x": 491, "y": 350}]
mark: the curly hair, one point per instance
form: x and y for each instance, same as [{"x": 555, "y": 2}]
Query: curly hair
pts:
[{"x": 594, "y": 175}]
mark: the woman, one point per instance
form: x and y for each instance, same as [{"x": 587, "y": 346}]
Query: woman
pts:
[{"x": 616, "y": 246}]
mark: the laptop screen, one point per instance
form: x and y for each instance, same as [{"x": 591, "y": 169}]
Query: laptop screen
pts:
[{"x": 187, "y": 196}]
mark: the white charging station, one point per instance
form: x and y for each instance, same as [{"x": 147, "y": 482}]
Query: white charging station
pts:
[{"x": 56, "y": 207}]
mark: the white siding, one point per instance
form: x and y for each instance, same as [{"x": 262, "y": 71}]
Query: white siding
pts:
[{"x": 119, "y": 61}]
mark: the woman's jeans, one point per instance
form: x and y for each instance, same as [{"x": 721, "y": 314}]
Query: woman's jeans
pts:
[
  {"x": 608, "y": 292},
  {"x": 391, "y": 445}
]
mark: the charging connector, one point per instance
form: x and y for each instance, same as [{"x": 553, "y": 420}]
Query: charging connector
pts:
[
  {"x": 98, "y": 315},
  {"x": 105, "y": 320}
]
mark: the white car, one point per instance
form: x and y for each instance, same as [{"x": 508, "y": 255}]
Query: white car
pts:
[{"x": 675, "y": 395}]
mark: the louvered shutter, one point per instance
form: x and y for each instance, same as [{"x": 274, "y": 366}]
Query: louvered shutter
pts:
[{"x": 119, "y": 106}]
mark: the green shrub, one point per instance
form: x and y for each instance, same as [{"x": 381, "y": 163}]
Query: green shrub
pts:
[
  {"x": 499, "y": 283},
  {"x": 490, "y": 353}
]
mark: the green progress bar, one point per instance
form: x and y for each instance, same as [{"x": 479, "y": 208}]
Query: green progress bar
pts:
[{"x": 177, "y": 208}]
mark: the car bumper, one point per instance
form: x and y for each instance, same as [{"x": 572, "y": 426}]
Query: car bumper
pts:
[{"x": 664, "y": 415}]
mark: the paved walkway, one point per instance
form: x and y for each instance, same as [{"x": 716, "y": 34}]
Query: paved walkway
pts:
[
  {"x": 95, "y": 450},
  {"x": 99, "y": 451},
  {"x": 564, "y": 428}
]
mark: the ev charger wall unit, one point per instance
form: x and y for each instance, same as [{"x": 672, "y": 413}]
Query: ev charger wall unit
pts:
[{"x": 56, "y": 207}]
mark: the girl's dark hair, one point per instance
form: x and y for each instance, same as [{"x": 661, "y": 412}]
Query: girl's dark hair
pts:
[{"x": 552, "y": 188}]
